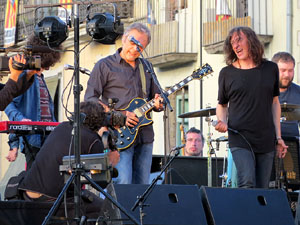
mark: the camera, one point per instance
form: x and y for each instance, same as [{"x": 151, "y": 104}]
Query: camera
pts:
[
  {"x": 114, "y": 118},
  {"x": 33, "y": 62}
]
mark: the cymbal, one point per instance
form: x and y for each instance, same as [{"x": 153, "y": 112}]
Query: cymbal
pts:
[
  {"x": 285, "y": 106},
  {"x": 290, "y": 111},
  {"x": 199, "y": 113}
]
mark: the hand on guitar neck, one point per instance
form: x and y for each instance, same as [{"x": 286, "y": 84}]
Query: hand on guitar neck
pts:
[{"x": 158, "y": 103}]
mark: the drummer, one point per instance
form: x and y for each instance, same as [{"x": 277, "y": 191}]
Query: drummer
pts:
[
  {"x": 194, "y": 143},
  {"x": 289, "y": 91}
]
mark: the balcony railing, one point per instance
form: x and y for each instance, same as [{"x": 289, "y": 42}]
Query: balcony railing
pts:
[
  {"x": 25, "y": 17},
  {"x": 173, "y": 37},
  {"x": 221, "y": 16}
]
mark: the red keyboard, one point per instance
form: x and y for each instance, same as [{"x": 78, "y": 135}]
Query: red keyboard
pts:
[{"x": 27, "y": 127}]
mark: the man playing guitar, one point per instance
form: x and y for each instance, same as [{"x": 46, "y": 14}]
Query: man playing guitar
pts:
[{"x": 121, "y": 76}]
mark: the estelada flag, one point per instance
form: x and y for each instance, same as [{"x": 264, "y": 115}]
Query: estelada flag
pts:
[{"x": 10, "y": 22}]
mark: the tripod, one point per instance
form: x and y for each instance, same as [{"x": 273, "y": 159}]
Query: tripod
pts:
[{"x": 78, "y": 169}]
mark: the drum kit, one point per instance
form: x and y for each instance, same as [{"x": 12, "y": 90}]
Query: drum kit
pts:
[{"x": 289, "y": 112}]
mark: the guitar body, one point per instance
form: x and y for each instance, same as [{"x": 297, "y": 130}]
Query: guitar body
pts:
[{"x": 127, "y": 135}]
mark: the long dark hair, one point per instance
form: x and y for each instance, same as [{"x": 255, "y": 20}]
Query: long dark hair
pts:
[{"x": 256, "y": 49}]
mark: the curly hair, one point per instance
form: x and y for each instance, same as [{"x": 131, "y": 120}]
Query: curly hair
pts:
[
  {"x": 48, "y": 59},
  {"x": 95, "y": 115},
  {"x": 256, "y": 49}
]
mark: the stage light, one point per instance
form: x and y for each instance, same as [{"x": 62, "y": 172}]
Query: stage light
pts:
[
  {"x": 52, "y": 29},
  {"x": 104, "y": 27}
]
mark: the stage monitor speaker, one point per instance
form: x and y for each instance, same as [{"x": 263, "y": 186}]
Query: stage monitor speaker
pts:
[
  {"x": 190, "y": 170},
  {"x": 237, "y": 206},
  {"x": 166, "y": 204}
]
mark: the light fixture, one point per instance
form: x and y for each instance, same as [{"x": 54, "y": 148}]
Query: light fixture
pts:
[
  {"x": 52, "y": 30},
  {"x": 104, "y": 27}
]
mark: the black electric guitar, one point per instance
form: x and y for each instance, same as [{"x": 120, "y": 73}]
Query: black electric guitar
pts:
[{"x": 126, "y": 135}]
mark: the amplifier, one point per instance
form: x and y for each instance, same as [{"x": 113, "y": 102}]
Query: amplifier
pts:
[
  {"x": 290, "y": 163},
  {"x": 190, "y": 170}
]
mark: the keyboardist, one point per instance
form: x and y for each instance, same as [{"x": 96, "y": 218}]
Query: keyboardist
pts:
[{"x": 35, "y": 104}]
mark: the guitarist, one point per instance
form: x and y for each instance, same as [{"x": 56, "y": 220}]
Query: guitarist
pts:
[{"x": 120, "y": 76}]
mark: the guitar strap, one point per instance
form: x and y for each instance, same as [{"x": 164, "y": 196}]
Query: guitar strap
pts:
[{"x": 143, "y": 79}]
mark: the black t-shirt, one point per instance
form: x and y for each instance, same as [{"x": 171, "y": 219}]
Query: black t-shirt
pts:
[
  {"x": 44, "y": 176},
  {"x": 290, "y": 96},
  {"x": 250, "y": 94}
]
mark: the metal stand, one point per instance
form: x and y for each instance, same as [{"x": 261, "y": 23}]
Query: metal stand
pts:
[
  {"x": 209, "y": 153},
  {"x": 141, "y": 199},
  {"x": 78, "y": 170},
  {"x": 166, "y": 101}
]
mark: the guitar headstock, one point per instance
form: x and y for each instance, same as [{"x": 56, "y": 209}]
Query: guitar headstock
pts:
[{"x": 202, "y": 71}]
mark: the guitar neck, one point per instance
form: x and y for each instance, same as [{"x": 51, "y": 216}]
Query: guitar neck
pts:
[
  {"x": 150, "y": 105},
  {"x": 198, "y": 74}
]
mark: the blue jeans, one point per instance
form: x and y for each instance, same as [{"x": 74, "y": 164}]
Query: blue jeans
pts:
[
  {"x": 135, "y": 164},
  {"x": 252, "y": 172}
]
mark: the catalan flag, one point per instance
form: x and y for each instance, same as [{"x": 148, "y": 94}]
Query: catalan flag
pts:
[
  {"x": 62, "y": 11},
  {"x": 223, "y": 11},
  {"x": 10, "y": 22}
]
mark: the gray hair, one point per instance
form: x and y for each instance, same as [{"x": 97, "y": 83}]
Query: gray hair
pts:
[
  {"x": 284, "y": 57},
  {"x": 140, "y": 28}
]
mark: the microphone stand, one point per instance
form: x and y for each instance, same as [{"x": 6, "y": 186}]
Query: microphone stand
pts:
[
  {"x": 151, "y": 71},
  {"x": 164, "y": 96},
  {"x": 141, "y": 199},
  {"x": 78, "y": 170}
]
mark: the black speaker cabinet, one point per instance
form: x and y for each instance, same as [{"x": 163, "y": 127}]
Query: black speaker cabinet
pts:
[
  {"x": 166, "y": 205},
  {"x": 190, "y": 170},
  {"x": 237, "y": 206}
]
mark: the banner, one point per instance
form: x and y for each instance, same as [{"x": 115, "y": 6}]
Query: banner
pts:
[
  {"x": 222, "y": 10},
  {"x": 150, "y": 14},
  {"x": 10, "y": 22},
  {"x": 62, "y": 11}
]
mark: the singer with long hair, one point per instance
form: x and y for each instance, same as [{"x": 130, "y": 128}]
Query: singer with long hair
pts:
[{"x": 249, "y": 109}]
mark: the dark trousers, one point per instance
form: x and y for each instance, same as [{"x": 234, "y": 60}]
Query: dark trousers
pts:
[
  {"x": 253, "y": 169},
  {"x": 30, "y": 155}
]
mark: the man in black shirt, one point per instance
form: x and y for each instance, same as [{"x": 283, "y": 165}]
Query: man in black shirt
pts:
[
  {"x": 249, "y": 108},
  {"x": 289, "y": 91},
  {"x": 44, "y": 182}
]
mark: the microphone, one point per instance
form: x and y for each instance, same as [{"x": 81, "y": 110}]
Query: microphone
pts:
[
  {"x": 215, "y": 122},
  {"x": 81, "y": 69},
  {"x": 133, "y": 40},
  {"x": 178, "y": 147},
  {"x": 220, "y": 139}
]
